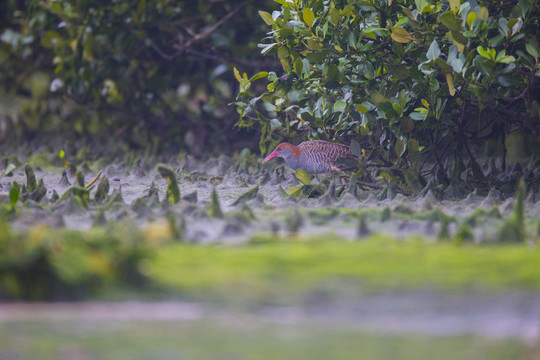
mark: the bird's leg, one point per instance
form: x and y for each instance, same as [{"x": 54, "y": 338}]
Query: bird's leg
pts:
[{"x": 341, "y": 173}]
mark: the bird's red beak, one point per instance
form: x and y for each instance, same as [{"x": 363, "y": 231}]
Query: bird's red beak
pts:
[{"x": 269, "y": 157}]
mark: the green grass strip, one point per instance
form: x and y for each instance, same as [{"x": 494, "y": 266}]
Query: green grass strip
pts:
[{"x": 379, "y": 263}]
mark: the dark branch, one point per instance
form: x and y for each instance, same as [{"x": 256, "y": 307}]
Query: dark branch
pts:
[{"x": 212, "y": 28}]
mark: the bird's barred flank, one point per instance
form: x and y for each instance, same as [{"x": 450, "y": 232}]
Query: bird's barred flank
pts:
[{"x": 315, "y": 156}]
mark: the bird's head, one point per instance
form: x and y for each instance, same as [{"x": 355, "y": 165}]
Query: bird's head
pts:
[{"x": 283, "y": 150}]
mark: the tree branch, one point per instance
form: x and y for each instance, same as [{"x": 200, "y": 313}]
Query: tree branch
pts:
[
  {"x": 516, "y": 98},
  {"x": 181, "y": 48},
  {"x": 230, "y": 60}
]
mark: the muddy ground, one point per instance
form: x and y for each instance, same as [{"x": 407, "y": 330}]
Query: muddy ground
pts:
[{"x": 272, "y": 208}]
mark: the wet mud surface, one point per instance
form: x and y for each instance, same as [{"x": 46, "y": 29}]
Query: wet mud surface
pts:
[{"x": 267, "y": 209}]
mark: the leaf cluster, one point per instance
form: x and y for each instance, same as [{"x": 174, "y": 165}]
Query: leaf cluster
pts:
[{"x": 430, "y": 86}]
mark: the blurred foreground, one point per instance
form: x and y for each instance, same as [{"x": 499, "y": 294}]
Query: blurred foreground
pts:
[{"x": 393, "y": 326}]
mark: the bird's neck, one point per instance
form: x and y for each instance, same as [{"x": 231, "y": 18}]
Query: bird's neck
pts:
[
  {"x": 292, "y": 156},
  {"x": 295, "y": 151},
  {"x": 292, "y": 161}
]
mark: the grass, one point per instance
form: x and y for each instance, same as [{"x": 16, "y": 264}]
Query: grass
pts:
[
  {"x": 290, "y": 268},
  {"x": 237, "y": 339}
]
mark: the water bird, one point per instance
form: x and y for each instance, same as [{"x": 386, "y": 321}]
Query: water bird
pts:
[{"x": 314, "y": 156}]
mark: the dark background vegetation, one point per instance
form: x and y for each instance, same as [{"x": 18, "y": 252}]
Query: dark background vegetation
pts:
[{"x": 147, "y": 73}]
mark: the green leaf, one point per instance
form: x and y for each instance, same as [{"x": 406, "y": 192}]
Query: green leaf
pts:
[
  {"x": 31, "y": 183},
  {"x": 532, "y": 50},
  {"x": 458, "y": 39},
  {"x": 283, "y": 52},
  {"x": 306, "y": 116},
  {"x": 399, "y": 147},
  {"x": 427, "y": 9},
  {"x": 258, "y": 76},
  {"x": 503, "y": 25},
  {"x": 51, "y": 39},
  {"x": 470, "y": 18},
  {"x": 434, "y": 51},
  {"x": 237, "y": 75},
  {"x": 294, "y": 190},
  {"x": 340, "y": 106},
  {"x": 377, "y": 98},
  {"x": 313, "y": 44},
  {"x": 417, "y": 116},
  {"x": 450, "y": 82},
  {"x": 272, "y": 86},
  {"x": 361, "y": 108},
  {"x": 443, "y": 65},
  {"x": 496, "y": 41},
  {"x": 450, "y": 21},
  {"x": 317, "y": 57},
  {"x": 457, "y": 64},
  {"x": 347, "y": 10},
  {"x": 303, "y": 176},
  {"x": 298, "y": 67},
  {"x": 483, "y": 13},
  {"x": 173, "y": 192},
  {"x": 333, "y": 72},
  {"x": 408, "y": 13},
  {"x": 306, "y": 67},
  {"x": 309, "y": 17},
  {"x": 102, "y": 190},
  {"x": 267, "y": 17},
  {"x": 267, "y": 48},
  {"x": 335, "y": 15},
  {"x": 400, "y": 35},
  {"x": 455, "y": 4},
  {"x": 515, "y": 25},
  {"x": 214, "y": 209},
  {"x": 248, "y": 195},
  {"x": 484, "y": 65},
  {"x": 483, "y": 52},
  {"x": 275, "y": 124},
  {"x": 413, "y": 146},
  {"x": 14, "y": 194},
  {"x": 373, "y": 32},
  {"x": 9, "y": 169},
  {"x": 510, "y": 80},
  {"x": 507, "y": 59},
  {"x": 355, "y": 148},
  {"x": 385, "y": 177}
]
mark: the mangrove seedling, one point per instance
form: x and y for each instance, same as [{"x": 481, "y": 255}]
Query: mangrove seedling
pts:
[
  {"x": 215, "y": 209},
  {"x": 31, "y": 183},
  {"x": 102, "y": 190},
  {"x": 173, "y": 192}
]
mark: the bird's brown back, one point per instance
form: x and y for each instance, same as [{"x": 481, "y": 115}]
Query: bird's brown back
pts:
[{"x": 325, "y": 151}]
